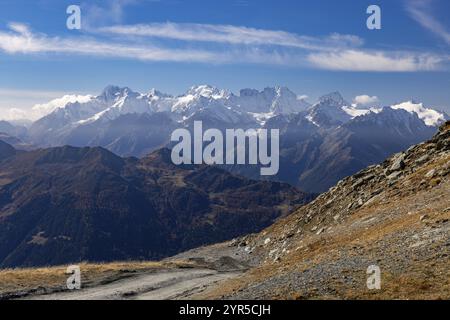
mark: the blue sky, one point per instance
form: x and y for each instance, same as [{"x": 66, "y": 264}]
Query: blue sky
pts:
[{"x": 312, "y": 47}]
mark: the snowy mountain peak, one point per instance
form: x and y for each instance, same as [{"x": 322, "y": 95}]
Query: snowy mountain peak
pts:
[
  {"x": 431, "y": 117},
  {"x": 329, "y": 111},
  {"x": 207, "y": 91},
  {"x": 333, "y": 99}
]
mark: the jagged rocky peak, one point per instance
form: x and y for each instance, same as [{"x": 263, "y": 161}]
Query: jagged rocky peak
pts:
[
  {"x": 333, "y": 99},
  {"x": 247, "y": 92},
  {"x": 275, "y": 100},
  {"x": 268, "y": 92},
  {"x": 111, "y": 92},
  {"x": 284, "y": 91},
  {"x": 271, "y": 92}
]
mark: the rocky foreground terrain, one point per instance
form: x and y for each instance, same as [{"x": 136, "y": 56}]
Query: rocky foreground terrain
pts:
[{"x": 394, "y": 215}]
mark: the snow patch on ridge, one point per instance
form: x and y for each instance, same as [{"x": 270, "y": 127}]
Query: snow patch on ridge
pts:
[
  {"x": 355, "y": 112},
  {"x": 44, "y": 109},
  {"x": 429, "y": 116}
]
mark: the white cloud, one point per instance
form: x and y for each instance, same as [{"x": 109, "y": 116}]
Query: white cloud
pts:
[
  {"x": 420, "y": 10},
  {"x": 365, "y": 100},
  {"x": 40, "y": 110},
  {"x": 354, "y": 112},
  {"x": 243, "y": 45},
  {"x": 22, "y": 40},
  {"x": 15, "y": 104},
  {"x": 13, "y": 114},
  {"x": 26, "y": 42},
  {"x": 377, "y": 61},
  {"x": 234, "y": 35},
  {"x": 19, "y": 28}
]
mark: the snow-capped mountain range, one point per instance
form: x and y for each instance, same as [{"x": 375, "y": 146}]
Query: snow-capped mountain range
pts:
[
  {"x": 134, "y": 124},
  {"x": 114, "y": 102}
]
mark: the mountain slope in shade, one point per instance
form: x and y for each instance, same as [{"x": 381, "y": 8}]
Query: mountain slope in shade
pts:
[
  {"x": 359, "y": 143},
  {"x": 128, "y": 135},
  {"x": 315, "y": 158},
  {"x": 15, "y": 142},
  {"x": 6, "y": 150},
  {"x": 69, "y": 204},
  {"x": 394, "y": 215},
  {"x": 10, "y": 129}
]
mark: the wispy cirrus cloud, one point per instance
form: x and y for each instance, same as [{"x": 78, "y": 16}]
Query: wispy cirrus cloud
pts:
[
  {"x": 338, "y": 52},
  {"x": 376, "y": 61},
  {"x": 234, "y": 35},
  {"x": 20, "y": 39},
  {"x": 421, "y": 11},
  {"x": 335, "y": 52}
]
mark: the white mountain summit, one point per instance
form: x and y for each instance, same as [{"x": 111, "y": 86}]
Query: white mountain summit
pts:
[{"x": 220, "y": 108}]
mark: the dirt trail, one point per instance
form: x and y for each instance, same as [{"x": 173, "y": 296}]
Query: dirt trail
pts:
[{"x": 180, "y": 284}]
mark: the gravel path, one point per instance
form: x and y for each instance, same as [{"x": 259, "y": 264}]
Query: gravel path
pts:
[{"x": 155, "y": 286}]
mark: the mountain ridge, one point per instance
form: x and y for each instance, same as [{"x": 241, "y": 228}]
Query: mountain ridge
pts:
[{"x": 67, "y": 205}]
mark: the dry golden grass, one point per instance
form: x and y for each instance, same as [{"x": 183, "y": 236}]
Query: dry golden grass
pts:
[
  {"x": 23, "y": 280},
  {"x": 426, "y": 278}
]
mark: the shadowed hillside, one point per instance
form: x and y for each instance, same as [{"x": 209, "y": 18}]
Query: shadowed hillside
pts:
[{"x": 69, "y": 204}]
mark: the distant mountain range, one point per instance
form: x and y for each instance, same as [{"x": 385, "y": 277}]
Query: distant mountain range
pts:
[
  {"x": 320, "y": 143},
  {"x": 114, "y": 194},
  {"x": 67, "y": 204},
  {"x": 17, "y": 131}
]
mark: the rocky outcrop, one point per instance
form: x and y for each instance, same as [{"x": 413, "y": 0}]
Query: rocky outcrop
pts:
[{"x": 394, "y": 215}]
